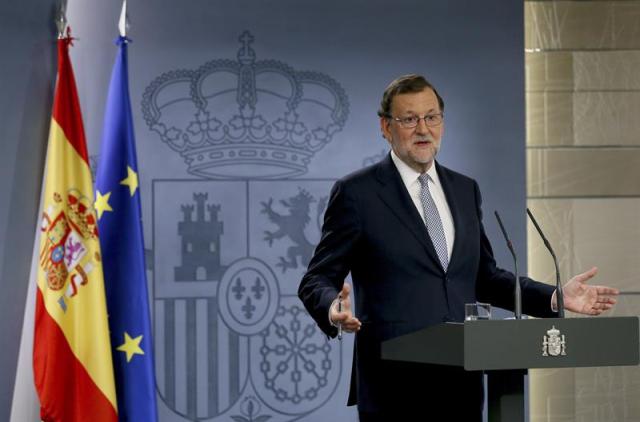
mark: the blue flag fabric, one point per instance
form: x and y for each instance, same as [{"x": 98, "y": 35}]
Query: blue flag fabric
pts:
[{"x": 122, "y": 243}]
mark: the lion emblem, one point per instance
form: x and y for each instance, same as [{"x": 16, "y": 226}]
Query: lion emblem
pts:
[{"x": 292, "y": 225}]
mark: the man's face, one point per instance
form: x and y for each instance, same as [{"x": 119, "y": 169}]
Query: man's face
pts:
[{"x": 417, "y": 146}]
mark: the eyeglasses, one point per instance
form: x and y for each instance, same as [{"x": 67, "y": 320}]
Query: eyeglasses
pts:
[{"x": 410, "y": 122}]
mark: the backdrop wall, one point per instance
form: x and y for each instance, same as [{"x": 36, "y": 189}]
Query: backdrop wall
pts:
[{"x": 245, "y": 115}]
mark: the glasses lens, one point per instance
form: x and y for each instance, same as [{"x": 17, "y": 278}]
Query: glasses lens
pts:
[
  {"x": 409, "y": 122},
  {"x": 433, "y": 120}
]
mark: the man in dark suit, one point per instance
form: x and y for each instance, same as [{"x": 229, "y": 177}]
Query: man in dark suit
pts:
[{"x": 410, "y": 232}]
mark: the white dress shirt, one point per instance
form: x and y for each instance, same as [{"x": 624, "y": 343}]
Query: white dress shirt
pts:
[{"x": 410, "y": 178}]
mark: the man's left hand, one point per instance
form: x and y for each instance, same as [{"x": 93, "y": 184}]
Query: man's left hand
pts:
[{"x": 582, "y": 298}]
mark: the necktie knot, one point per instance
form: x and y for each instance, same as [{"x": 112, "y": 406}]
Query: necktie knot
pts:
[{"x": 424, "y": 179}]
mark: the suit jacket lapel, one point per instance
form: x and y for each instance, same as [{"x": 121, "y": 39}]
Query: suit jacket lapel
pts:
[{"x": 394, "y": 194}]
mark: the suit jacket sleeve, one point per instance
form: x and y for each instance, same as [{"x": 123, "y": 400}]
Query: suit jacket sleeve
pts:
[
  {"x": 497, "y": 286},
  {"x": 331, "y": 262}
]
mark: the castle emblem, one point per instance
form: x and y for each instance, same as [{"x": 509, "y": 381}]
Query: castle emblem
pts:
[
  {"x": 200, "y": 241},
  {"x": 553, "y": 344}
]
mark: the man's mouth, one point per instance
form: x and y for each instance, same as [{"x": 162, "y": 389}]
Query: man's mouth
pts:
[{"x": 423, "y": 142}]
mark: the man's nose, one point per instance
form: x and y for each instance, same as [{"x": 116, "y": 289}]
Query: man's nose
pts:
[{"x": 422, "y": 126}]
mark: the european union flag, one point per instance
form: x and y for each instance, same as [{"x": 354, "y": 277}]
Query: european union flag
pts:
[{"x": 122, "y": 243}]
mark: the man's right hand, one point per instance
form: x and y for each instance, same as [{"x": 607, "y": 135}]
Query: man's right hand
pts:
[{"x": 350, "y": 324}]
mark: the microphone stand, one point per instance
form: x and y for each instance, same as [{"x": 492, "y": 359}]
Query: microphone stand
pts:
[
  {"x": 559, "y": 294},
  {"x": 518, "y": 292}
]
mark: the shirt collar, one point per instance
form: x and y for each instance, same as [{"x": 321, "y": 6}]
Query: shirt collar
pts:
[{"x": 410, "y": 176}]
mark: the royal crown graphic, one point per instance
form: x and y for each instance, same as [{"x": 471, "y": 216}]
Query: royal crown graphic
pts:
[{"x": 245, "y": 118}]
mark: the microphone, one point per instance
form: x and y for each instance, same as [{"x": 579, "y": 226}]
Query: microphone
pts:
[
  {"x": 559, "y": 294},
  {"x": 518, "y": 293}
]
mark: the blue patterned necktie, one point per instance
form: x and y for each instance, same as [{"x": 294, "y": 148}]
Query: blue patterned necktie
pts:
[{"x": 433, "y": 222}]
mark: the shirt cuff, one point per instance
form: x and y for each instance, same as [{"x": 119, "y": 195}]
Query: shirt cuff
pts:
[{"x": 334, "y": 303}]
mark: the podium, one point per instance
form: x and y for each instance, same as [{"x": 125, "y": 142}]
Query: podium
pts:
[{"x": 506, "y": 349}]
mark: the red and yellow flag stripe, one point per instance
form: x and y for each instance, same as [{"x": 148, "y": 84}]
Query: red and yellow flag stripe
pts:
[{"x": 72, "y": 362}]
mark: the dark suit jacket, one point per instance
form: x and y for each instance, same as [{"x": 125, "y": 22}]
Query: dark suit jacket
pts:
[{"x": 373, "y": 230}]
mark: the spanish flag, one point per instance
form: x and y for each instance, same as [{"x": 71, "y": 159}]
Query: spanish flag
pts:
[{"x": 72, "y": 362}]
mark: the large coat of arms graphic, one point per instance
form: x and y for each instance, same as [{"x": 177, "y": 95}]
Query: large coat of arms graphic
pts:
[{"x": 230, "y": 244}]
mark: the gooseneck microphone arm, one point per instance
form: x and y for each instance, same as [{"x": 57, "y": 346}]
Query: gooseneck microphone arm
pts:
[
  {"x": 559, "y": 294},
  {"x": 518, "y": 292}
]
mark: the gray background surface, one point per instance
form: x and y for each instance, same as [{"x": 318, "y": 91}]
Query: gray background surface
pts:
[{"x": 472, "y": 51}]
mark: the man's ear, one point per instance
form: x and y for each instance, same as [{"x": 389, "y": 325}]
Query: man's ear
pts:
[{"x": 384, "y": 128}]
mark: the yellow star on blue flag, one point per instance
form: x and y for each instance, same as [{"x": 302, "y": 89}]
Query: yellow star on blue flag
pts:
[
  {"x": 131, "y": 180},
  {"x": 131, "y": 346},
  {"x": 102, "y": 203}
]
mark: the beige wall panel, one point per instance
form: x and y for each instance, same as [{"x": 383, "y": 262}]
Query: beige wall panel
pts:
[
  {"x": 549, "y": 71},
  {"x": 606, "y": 118},
  {"x": 549, "y": 118},
  {"x": 582, "y": 25},
  {"x": 583, "y": 118},
  {"x": 628, "y": 305},
  {"x": 607, "y": 234},
  {"x": 585, "y": 233},
  {"x": 551, "y": 395},
  {"x": 583, "y": 172},
  {"x": 606, "y": 70},
  {"x": 555, "y": 217},
  {"x": 611, "y": 393},
  {"x": 607, "y": 394},
  {"x": 625, "y": 26},
  {"x": 535, "y": 120},
  {"x": 582, "y": 70}
]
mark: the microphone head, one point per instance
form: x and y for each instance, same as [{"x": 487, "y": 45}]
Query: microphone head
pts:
[{"x": 504, "y": 232}]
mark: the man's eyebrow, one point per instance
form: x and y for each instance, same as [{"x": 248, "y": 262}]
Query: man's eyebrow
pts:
[{"x": 433, "y": 110}]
